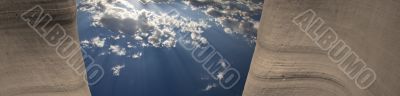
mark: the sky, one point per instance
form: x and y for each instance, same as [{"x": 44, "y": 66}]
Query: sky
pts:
[{"x": 132, "y": 27}]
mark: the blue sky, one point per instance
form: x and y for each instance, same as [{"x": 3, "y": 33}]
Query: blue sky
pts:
[{"x": 133, "y": 39}]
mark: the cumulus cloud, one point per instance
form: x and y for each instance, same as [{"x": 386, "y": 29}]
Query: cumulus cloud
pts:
[
  {"x": 156, "y": 1},
  {"x": 220, "y": 75},
  {"x": 137, "y": 55},
  {"x": 155, "y": 29},
  {"x": 142, "y": 27},
  {"x": 116, "y": 49},
  {"x": 96, "y": 41},
  {"x": 99, "y": 42},
  {"x": 235, "y": 16},
  {"x": 209, "y": 87},
  {"x": 116, "y": 69}
]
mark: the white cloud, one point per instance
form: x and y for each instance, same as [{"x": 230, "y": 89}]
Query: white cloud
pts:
[
  {"x": 85, "y": 43},
  {"x": 155, "y": 29},
  {"x": 116, "y": 69},
  {"x": 99, "y": 42},
  {"x": 94, "y": 42},
  {"x": 137, "y": 55},
  {"x": 209, "y": 87},
  {"x": 155, "y": 1},
  {"x": 116, "y": 49},
  {"x": 235, "y": 16},
  {"x": 220, "y": 75}
]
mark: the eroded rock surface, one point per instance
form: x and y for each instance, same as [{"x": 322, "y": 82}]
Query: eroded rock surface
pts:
[
  {"x": 29, "y": 66},
  {"x": 287, "y": 62}
]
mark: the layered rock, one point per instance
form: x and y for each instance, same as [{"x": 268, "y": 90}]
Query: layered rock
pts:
[
  {"x": 288, "y": 61},
  {"x": 29, "y": 64}
]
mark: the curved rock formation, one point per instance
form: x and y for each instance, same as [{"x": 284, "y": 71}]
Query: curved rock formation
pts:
[
  {"x": 294, "y": 57},
  {"x": 33, "y": 60}
]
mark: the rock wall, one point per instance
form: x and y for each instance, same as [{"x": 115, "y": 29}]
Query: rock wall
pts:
[
  {"x": 33, "y": 60},
  {"x": 327, "y": 48}
]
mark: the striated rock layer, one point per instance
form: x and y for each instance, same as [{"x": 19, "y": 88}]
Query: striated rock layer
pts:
[
  {"x": 288, "y": 62},
  {"x": 29, "y": 66}
]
